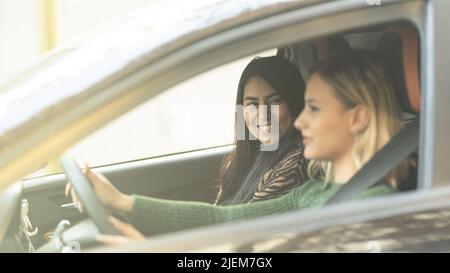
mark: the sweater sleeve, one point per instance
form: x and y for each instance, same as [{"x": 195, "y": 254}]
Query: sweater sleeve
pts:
[{"x": 154, "y": 216}]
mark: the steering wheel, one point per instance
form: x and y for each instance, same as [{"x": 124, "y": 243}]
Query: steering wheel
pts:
[{"x": 83, "y": 188}]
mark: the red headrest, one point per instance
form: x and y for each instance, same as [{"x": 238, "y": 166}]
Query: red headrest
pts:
[{"x": 400, "y": 46}]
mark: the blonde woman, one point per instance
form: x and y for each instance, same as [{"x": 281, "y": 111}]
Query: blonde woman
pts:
[{"x": 350, "y": 112}]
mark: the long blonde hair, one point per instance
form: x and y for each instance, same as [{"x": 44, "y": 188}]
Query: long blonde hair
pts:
[{"x": 359, "y": 77}]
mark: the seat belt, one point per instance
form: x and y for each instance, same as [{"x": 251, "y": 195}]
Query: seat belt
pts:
[{"x": 397, "y": 149}]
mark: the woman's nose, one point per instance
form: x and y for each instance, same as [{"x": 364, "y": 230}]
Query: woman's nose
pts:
[
  {"x": 264, "y": 112},
  {"x": 299, "y": 122}
]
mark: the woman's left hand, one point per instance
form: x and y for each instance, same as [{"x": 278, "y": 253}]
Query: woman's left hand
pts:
[{"x": 130, "y": 234}]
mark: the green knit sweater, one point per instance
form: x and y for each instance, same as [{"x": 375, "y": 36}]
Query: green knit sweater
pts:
[{"x": 154, "y": 216}]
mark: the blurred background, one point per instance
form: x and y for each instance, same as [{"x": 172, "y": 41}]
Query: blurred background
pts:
[{"x": 193, "y": 115}]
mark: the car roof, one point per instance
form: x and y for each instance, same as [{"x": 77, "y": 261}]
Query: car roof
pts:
[{"x": 73, "y": 73}]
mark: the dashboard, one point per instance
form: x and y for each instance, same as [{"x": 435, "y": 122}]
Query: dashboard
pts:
[{"x": 16, "y": 230}]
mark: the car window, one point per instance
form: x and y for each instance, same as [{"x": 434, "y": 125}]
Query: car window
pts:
[{"x": 195, "y": 114}]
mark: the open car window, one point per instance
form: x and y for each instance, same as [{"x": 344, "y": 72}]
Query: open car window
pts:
[{"x": 195, "y": 114}]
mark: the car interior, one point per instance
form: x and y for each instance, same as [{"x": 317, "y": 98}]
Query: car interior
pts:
[{"x": 196, "y": 175}]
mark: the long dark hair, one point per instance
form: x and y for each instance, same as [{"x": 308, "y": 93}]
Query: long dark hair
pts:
[{"x": 242, "y": 170}]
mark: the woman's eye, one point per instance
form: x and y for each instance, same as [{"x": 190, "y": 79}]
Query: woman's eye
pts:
[
  {"x": 313, "y": 108},
  {"x": 277, "y": 101}
]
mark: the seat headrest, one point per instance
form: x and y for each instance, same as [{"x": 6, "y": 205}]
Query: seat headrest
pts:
[
  {"x": 306, "y": 55},
  {"x": 400, "y": 47}
]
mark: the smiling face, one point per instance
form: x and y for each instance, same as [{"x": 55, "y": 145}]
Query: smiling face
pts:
[
  {"x": 325, "y": 123},
  {"x": 257, "y": 93}
]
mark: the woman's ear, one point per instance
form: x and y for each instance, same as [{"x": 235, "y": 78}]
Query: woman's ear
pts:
[{"x": 360, "y": 119}]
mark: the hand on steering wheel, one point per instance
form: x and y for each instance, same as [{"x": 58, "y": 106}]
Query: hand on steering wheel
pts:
[
  {"x": 87, "y": 198},
  {"x": 105, "y": 190}
]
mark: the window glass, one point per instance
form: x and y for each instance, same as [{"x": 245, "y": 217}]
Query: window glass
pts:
[{"x": 195, "y": 114}]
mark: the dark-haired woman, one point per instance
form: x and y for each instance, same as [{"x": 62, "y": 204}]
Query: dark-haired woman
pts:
[{"x": 251, "y": 174}]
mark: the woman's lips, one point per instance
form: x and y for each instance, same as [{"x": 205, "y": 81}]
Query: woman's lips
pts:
[
  {"x": 265, "y": 128},
  {"x": 306, "y": 140}
]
